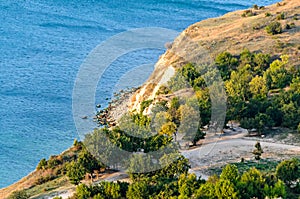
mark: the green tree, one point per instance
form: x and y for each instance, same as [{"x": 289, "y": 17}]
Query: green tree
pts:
[
  {"x": 246, "y": 57},
  {"x": 168, "y": 129},
  {"x": 237, "y": 86},
  {"x": 226, "y": 63},
  {"x": 258, "y": 87},
  {"x": 291, "y": 115},
  {"x": 87, "y": 161},
  {"x": 251, "y": 184},
  {"x": 190, "y": 122},
  {"x": 138, "y": 190},
  {"x": 83, "y": 192},
  {"x": 188, "y": 184},
  {"x": 75, "y": 172},
  {"x": 277, "y": 75},
  {"x": 226, "y": 189},
  {"x": 42, "y": 164},
  {"x": 231, "y": 173},
  {"x": 159, "y": 119},
  {"x": 261, "y": 62},
  {"x": 276, "y": 191},
  {"x": 288, "y": 171},
  {"x": 208, "y": 189},
  {"x": 263, "y": 120}
]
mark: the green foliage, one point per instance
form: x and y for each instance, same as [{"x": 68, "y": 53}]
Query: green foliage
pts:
[
  {"x": 277, "y": 75},
  {"x": 138, "y": 190},
  {"x": 258, "y": 87},
  {"x": 168, "y": 129},
  {"x": 145, "y": 104},
  {"x": 226, "y": 189},
  {"x": 19, "y": 195},
  {"x": 280, "y": 16},
  {"x": 75, "y": 172},
  {"x": 226, "y": 63},
  {"x": 87, "y": 161},
  {"x": 190, "y": 124},
  {"x": 261, "y": 62},
  {"x": 231, "y": 173},
  {"x": 274, "y": 28},
  {"x": 53, "y": 162},
  {"x": 237, "y": 86},
  {"x": 267, "y": 14},
  {"x": 288, "y": 171},
  {"x": 42, "y": 164},
  {"x": 252, "y": 183},
  {"x": 83, "y": 191},
  {"x": 187, "y": 184}
]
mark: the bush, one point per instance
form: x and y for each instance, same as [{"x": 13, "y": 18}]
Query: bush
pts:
[
  {"x": 280, "y": 16},
  {"x": 288, "y": 171},
  {"x": 267, "y": 14},
  {"x": 44, "y": 179},
  {"x": 248, "y": 13},
  {"x": 290, "y": 26},
  {"x": 19, "y": 195},
  {"x": 255, "y": 7},
  {"x": 274, "y": 28},
  {"x": 42, "y": 164}
]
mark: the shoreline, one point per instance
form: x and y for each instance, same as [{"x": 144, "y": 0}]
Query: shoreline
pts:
[{"x": 115, "y": 112}]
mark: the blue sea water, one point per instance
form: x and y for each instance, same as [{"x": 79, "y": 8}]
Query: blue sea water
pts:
[{"x": 42, "y": 45}]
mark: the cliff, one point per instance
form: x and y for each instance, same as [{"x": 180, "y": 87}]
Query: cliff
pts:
[
  {"x": 201, "y": 42},
  {"x": 233, "y": 32}
]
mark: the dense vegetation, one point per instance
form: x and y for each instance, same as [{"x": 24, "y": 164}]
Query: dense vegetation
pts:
[
  {"x": 263, "y": 92},
  {"x": 230, "y": 184}
]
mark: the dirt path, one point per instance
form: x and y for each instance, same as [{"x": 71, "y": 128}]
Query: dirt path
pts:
[{"x": 221, "y": 152}]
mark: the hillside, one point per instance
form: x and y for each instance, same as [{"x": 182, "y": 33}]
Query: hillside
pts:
[
  {"x": 203, "y": 41},
  {"x": 199, "y": 44}
]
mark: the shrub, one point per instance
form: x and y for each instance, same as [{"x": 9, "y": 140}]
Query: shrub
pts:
[
  {"x": 290, "y": 26},
  {"x": 267, "y": 14},
  {"x": 295, "y": 18},
  {"x": 42, "y": 164},
  {"x": 44, "y": 179},
  {"x": 248, "y": 13},
  {"x": 288, "y": 171},
  {"x": 19, "y": 195},
  {"x": 280, "y": 16},
  {"x": 280, "y": 4},
  {"x": 255, "y": 7},
  {"x": 53, "y": 162},
  {"x": 274, "y": 28},
  {"x": 145, "y": 104}
]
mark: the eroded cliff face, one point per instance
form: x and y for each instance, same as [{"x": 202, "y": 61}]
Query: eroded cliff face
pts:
[{"x": 201, "y": 42}]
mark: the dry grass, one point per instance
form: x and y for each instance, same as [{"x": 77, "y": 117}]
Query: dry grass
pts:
[{"x": 202, "y": 41}]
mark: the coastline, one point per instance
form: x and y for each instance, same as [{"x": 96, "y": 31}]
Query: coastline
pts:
[{"x": 120, "y": 106}]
